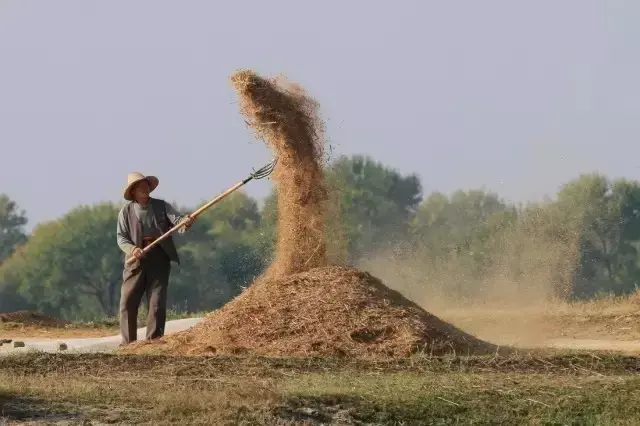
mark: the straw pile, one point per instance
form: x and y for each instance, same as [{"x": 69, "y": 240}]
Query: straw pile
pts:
[
  {"x": 301, "y": 306},
  {"x": 327, "y": 311}
]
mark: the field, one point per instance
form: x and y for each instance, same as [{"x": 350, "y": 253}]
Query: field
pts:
[
  {"x": 525, "y": 389},
  {"x": 538, "y": 386}
]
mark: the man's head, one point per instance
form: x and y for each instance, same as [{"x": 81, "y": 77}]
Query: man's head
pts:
[
  {"x": 139, "y": 187},
  {"x": 140, "y": 191}
]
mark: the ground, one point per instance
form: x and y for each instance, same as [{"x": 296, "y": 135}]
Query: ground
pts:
[
  {"x": 539, "y": 386},
  {"x": 581, "y": 325},
  {"x": 550, "y": 388},
  {"x": 16, "y": 331}
]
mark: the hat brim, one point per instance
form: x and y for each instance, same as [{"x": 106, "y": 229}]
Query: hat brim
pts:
[{"x": 153, "y": 184}]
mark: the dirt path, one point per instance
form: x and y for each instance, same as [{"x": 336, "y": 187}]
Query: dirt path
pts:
[
  {"x": 537, "y": 328},
  {"x": 625, "y": 346},
  {"x": 87, "y": 344}
]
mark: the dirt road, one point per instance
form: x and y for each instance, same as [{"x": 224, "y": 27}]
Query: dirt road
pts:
[
  {"x": 625, "y": 346},
  {"x": 86, "y": 344}
]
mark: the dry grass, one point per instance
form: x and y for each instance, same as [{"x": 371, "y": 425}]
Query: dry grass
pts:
[
  {"x": 138, "y": 399},
  {"x": 556, "y": 362},
  {"x": 525, "y": 389}
]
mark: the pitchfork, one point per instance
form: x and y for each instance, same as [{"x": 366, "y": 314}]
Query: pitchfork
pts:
[{"x": 257, "y": 174}]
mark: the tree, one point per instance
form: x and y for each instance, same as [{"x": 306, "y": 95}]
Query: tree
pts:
[
  {"x": 607, "y": 216},
  {"x": 463, "y": 223},
  {"x": 72, "y": 266},
  {"x": 10, "y": 298},
  {"x": 373, "y": 203},
  {"x": 455, "y": 240},
  {"x": 12, "y": 222}
]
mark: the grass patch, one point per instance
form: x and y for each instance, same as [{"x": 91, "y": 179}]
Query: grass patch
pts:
[
  {"x": 472, "y": 398},
  {"x": 534, "y": 388}
]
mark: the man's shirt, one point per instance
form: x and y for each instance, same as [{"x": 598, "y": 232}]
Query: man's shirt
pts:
[{"x": 147, "y": 219}]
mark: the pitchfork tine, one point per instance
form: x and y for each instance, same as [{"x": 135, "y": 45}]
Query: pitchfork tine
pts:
[{"x": 265, "y": 171}]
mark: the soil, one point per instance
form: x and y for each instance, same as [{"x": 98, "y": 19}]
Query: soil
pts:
[
  {"x": 32, "y": 318},
  {"x": 30, "y": 324}
]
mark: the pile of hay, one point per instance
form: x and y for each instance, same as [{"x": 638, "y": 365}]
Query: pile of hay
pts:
[
  {"x": 301, "y": 306},
  {"x": 327, "y": 311}
]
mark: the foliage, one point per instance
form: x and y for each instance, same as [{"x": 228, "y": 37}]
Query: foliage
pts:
[
  {"x": 12, "y": 222},
  {"x": 469, "y": 244},
  {"x": 71, "y": 266},
  {"x": 12, "y": 236},
  {"x": 607, "y": 215},
  {"x": 374, "y": 202}
]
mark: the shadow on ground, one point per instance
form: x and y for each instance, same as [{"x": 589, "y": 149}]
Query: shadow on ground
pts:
[{"x": 18, "y": 408}]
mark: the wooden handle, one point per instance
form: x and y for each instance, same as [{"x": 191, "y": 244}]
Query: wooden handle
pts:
[{"x": 193, "y": 215}]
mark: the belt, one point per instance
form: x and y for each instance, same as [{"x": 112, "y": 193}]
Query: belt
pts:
[{"x": 147, "y": 240}]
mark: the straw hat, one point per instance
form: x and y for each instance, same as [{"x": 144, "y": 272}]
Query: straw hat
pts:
[{"x": 135, "y": 177}]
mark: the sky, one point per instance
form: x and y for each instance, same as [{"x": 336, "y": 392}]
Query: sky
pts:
[{"x": 514, "y": 97}]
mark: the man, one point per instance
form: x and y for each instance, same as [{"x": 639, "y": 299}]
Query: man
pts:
[{"x": 140, "y": 222}]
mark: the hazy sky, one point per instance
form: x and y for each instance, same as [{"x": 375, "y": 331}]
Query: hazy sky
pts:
[{"x": 517, "y": 97}]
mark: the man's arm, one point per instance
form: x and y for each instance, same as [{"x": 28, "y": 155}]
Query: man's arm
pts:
[
  {"x": 124, "y": 240},
  {"x": 174, "y": 216}
]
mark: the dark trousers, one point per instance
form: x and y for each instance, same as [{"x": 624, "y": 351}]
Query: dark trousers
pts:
[{"x": 149, "y": 276}]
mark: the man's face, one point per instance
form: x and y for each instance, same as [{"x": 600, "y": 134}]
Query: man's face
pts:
[{"x": 140, "y": 191}]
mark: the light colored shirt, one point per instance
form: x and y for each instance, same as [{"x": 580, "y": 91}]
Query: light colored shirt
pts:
[{"x": 147, "y": 221}]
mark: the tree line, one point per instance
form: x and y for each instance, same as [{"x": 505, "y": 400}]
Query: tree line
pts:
[{"x": 580, "y": 244}]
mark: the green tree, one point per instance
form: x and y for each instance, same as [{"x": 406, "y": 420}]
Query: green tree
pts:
[
  {"x": 372, "y": 204},
  {"x": 607, "y": 215},
  {"x": 457, "y": 238},
  {"x": 72, "y": 266},
  {"x": 12, "y": 222},
  {"x": 463, "y": 223},
  {"x": 10, "y": 298}
]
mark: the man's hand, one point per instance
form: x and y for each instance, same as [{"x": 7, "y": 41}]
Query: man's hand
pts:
[
  {"x": 188, "y": 221},
  {"x": 137, "y": 253}
]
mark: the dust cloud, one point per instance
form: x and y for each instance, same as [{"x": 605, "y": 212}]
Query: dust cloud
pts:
[{"x": 509, "y": 301}]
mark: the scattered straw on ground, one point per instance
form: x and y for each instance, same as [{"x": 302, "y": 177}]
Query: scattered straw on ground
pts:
[
  {"x": 32, "y": 318},
  {"x": 329, "y": 311},
  {"x": 286, "y": 118}
]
